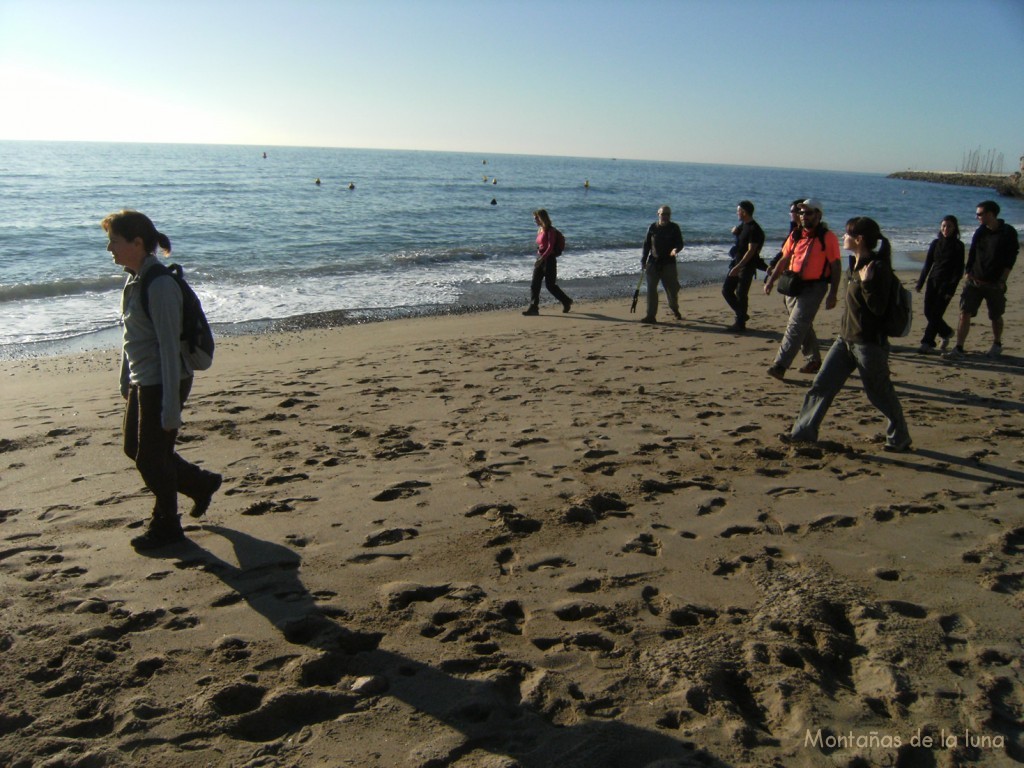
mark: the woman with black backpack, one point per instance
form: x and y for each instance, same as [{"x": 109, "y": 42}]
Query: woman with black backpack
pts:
[
  {"x": 863, "y": 344},
  {"x": 155, "y": 378}
]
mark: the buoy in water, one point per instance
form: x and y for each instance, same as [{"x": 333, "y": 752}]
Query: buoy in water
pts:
[{"x": 317, "y": 182}]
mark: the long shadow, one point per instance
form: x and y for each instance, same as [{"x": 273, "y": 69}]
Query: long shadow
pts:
[
  {"x": 960, "y": 398},
  {"x": 1001, "y": 364},
  {"x": 706, "y": 326},
  {"x": 969, "y": 469},
  {"x": 488, "y": 713}
]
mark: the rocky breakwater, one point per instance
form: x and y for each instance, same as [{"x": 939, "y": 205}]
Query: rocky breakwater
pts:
[{"x": 1009, "y": 186}]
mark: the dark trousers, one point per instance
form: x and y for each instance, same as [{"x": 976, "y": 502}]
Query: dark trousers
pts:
[
  {"x": 936, "y": 300},
  {"x": 151, "y": 447},
  {"x": 735, "y": 290},
  {"x": 546, "y": 271}
]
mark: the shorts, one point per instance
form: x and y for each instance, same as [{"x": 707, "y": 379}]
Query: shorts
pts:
[{"x": 994, "y": 296}]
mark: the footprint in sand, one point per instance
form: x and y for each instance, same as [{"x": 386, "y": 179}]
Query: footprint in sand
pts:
[
  {"x": 371, "y": 557},
  {"x": 884, "y": 514},
  {"x": 831, "y": 522},
  {"x": 397, "y": 596},
  {"x": 644, "y": 544},
  {"x": 555, "y": 561},
  {"x": 283, "y": 478},
  {"x": 712, "y": 505},
  {"x": 591, "y": 509},
  {"x": 505, "y": 556},
  {"x": 390, "y": 536},
  {"x": 577, "y": 611},
  {"x": 402, "y": 490},
  {"x": 905, "y": 609}
]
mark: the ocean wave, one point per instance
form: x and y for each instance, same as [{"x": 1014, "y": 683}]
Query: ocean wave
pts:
[{"x": 58, "y": 288}]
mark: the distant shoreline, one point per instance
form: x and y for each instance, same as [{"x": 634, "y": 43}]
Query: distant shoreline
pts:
[{"x": 1010, "y": 185}]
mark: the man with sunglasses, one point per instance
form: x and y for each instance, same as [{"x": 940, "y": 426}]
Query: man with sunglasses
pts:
[
  {"x": 812, "y": 251},
  {"x": 993, "y": 253}
]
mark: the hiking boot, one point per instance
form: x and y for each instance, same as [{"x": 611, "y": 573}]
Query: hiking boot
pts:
[
  {"x": 532, "y": 310},
  {"x": 777, "y": 373},
  {"x": 649, "y": 320},
  {"x": 201, "y": 503},
  {"x": 161, "y": 533},
  {"x": 812, "y": 367},
  {"x": 566, "y": 305},
  {"x": 995, "y": 350}
]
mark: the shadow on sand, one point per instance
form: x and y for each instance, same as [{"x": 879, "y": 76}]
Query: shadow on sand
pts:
[{"x": 490, "y": 714}]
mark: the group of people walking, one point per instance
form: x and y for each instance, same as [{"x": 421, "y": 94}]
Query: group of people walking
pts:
[
  {"x": 156, "y": 377},
  {"x": 808, "y": 272}
]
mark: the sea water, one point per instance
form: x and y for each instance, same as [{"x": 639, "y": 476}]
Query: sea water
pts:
[{"x": 387, "y": 233}]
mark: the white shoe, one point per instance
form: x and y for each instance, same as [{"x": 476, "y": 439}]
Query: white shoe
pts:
[{"x": 954, "y": 354}]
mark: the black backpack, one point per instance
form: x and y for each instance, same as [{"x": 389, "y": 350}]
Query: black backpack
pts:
[
  {"x": 196, "y": 337},
  {"x": 899, "y": 315}
]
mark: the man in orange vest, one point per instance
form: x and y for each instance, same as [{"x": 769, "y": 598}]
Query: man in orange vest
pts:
[{"x": 811, "y": 257}]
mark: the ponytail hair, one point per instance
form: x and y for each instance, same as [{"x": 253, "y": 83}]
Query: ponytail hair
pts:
[
  {"x": 863, "y": 226},
  {"x": 545, "y": 220},
  {"x": 132, "y": 224}
]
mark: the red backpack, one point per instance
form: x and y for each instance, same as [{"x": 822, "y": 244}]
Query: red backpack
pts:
[{"x": 559, "y": 243}]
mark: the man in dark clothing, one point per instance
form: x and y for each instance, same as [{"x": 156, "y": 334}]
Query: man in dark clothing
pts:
[
  {"x": 992, "y": 255},
  {"x": 663, "y": 242},
  {"x": 745, "y": 258}
]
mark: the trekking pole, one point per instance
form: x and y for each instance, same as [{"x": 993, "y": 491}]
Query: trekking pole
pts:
[
  {"x": 636, "y": 293},
  {"x": 643, "y": 272}
]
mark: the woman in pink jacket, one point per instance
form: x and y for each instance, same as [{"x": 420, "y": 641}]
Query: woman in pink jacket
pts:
[{"x": 550, "y": 244}]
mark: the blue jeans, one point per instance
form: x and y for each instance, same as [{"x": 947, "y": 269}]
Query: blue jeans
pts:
[
  {"x": 872, "y": 362},
  {"x": 799, "y": 335}
]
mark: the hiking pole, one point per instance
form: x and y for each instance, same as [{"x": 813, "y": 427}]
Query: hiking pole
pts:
[
  {"x": 643, "y": 272},
  {"x": 636, "y": 293}
]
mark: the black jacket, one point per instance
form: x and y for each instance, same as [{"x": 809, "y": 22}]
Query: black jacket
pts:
[
  {"x": 993, "y": 252},
  {"x": 944, "y": 264},
  {"x": 866, "y": 303},
  {"x": 662, "y": 238}
]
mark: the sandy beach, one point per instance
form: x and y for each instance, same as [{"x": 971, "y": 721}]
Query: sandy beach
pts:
[{"x": 493, "y": 540}]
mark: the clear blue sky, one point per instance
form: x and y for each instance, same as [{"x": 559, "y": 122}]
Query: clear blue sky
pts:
[{"x": 865, "y": 85}]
